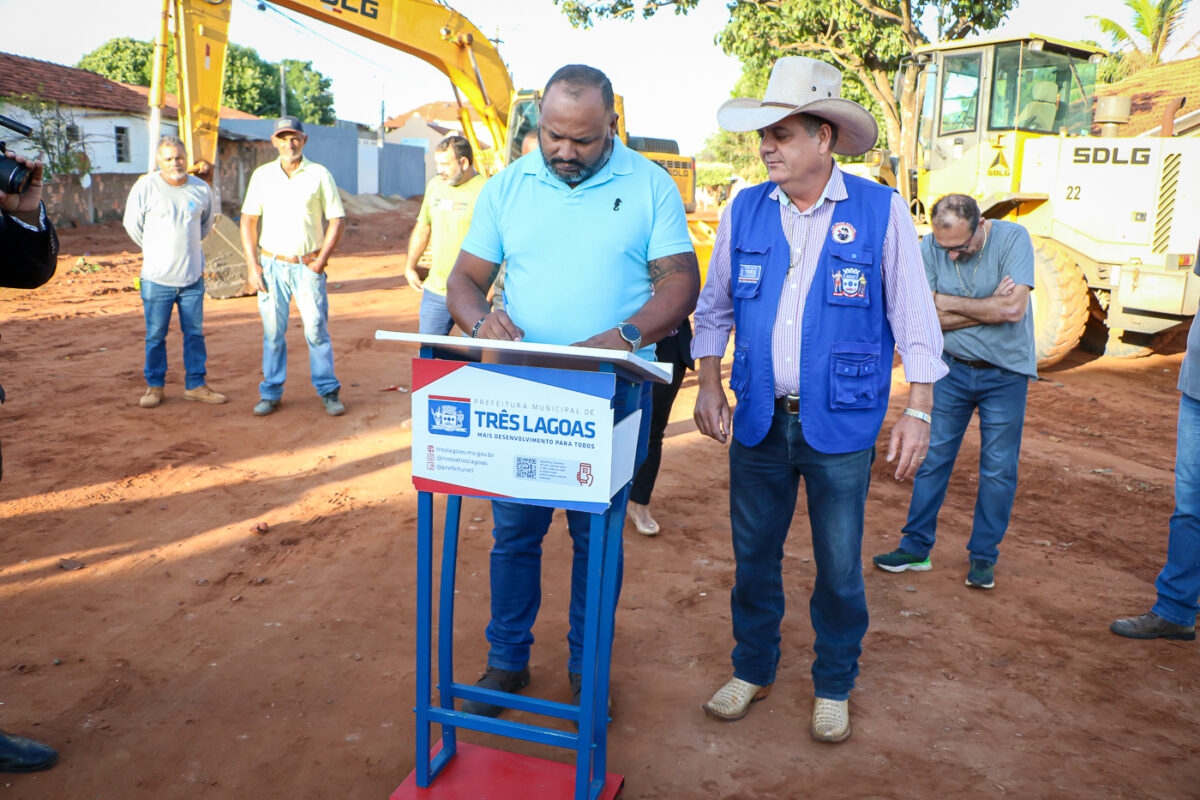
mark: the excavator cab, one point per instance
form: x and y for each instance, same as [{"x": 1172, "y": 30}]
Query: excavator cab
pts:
[{"x": 981, "y": 100}]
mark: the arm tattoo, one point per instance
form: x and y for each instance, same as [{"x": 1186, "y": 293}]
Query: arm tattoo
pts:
[{"x": 662, "y": 268}]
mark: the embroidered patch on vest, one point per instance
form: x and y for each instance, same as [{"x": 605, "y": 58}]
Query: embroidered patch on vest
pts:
[
  {"x": 749, "y": 273},
  {"x": 849, "y": 282},
  {"x": 842, "y": 232}
]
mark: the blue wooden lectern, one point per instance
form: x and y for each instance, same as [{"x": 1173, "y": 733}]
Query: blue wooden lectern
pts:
[{"x": 532, "y": 424}]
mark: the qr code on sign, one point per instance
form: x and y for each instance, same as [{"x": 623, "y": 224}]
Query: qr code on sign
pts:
[{"x": 525, "y": 468}]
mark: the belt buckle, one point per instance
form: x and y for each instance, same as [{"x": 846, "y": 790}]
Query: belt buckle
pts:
[{"x": 790, "y": 403}]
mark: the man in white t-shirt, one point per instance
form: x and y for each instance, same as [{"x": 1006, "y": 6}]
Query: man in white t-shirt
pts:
[{"x": 167, "y": 214}]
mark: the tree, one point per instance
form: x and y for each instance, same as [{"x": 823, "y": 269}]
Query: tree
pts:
[
  {"x": 251, "y": 83},
  {"x": 1154, "y": 24},
  {"x": 868, "y": 39},
  {"x": 308, "y": 93},
  {"x": 123, "y": 59}
]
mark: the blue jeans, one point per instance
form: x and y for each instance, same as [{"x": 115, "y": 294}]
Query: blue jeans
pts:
[
  {"x": 1000, "y": 397},
  {"x": 435, "y": 317},
  {"x": 763, "y": 484},
  {"x": 516, "y": 566},
  {"x": 157, "y": 301},
  {"x": 1179, "y": 582},
  {"x": 285, "y": 280}
]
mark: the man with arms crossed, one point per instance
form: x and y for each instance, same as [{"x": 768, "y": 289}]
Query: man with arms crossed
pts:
[
  {"x": 819, "y": 275},
  {"x": 598, "y": 254},
  {"x": 981, "y": 273},
  {"x": 167, "y": 214},
  {"x": 291, "y": 194},
  {"x": 445, "y": 215}
]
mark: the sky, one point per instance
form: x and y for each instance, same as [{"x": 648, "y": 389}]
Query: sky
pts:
[{"x": 671, "y": 74}]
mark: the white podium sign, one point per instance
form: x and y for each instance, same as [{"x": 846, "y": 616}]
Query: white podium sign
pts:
[{"x": 534, "y": 434}]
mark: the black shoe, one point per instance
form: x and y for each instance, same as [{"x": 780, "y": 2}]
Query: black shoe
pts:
[
  {"x": 1152, "y": 626},
  {"x": 18, "y": 754},
  {"x": 576, "y": 680},
  {"x": 501, "y": 680}
]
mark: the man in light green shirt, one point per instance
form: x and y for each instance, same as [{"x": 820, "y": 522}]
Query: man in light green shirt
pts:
[
  {"x": 445, "y": 217},
  {"x": 290, "y": 195}
]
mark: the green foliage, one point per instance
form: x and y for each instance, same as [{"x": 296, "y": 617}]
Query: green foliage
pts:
[
  {"x": 56, "y": 136},
  {"x": 123, "y": 59},
  {"x": 740, "y": 150},
  {"x": 582, "y": 13},
  {"x": 1144, "y": 43},
  {"x": 308, "y": 93},
  {"x": 251, "y": 83},
  {"x": 713, "y": 173},
  {"x": 866, "y": 39}
]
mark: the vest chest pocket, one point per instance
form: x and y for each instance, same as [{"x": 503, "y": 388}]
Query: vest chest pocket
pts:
[
  {"x": 854, "y": 375},
  {"x": 749, "y": 262},
  {"x": 852, "y": 276}
]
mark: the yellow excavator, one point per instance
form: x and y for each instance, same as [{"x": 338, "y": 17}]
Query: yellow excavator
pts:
[{"x": 428, "y": 29}]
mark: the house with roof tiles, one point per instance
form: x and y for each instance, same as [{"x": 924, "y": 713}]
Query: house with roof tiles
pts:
[{"x": 1171, "y": 88}]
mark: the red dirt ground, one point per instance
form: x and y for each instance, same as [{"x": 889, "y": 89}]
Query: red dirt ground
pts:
[{"x": 193, "y": 657}]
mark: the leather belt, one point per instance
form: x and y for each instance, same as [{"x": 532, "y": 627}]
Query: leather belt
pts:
[
  {"x": 304, "y": 259},
  {"x": 973, "y": 363},
  {"x": 789, "y": 403}
]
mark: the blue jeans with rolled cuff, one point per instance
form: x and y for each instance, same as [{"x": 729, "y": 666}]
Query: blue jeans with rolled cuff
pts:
[{"x": 764, "y": 483}]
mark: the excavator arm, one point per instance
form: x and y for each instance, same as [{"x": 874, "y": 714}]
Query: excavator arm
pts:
[{"x": 427, "y": 29}]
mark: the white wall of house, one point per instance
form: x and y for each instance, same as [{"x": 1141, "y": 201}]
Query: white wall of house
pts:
[
  {"x": 368, "y": 167},
  {"x": 115, "y": 142}
]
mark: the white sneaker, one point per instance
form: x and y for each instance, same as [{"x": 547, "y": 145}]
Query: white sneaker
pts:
[
  {"x": 732, "y": 701},
  {"x": 830, "y": 720}
]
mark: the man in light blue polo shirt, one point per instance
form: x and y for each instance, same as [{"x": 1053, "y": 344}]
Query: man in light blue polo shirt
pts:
[{"x": 596, "y": 244}]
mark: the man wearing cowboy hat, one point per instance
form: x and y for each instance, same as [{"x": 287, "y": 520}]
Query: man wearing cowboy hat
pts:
[{"x": 819, "y": 275}]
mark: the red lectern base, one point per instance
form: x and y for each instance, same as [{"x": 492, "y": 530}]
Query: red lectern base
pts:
[{"x": 481, "y": 773}]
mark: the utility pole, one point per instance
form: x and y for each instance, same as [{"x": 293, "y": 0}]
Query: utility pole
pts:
[{"x": 282, "y": 92}]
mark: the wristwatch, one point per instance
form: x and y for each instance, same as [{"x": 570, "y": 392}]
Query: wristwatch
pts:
[{"x": 630, "y": 333}]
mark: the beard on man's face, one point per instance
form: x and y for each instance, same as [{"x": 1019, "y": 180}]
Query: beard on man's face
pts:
[{"x": 576, "y": 171}]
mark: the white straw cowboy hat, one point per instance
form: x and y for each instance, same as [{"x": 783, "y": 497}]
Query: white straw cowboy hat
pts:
[{"x": 804, "y": 85}]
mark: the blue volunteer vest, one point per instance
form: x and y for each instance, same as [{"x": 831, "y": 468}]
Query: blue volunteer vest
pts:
[{"x": 847, "y": 344}]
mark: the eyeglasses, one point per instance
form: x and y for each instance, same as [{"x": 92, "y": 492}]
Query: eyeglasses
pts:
[{"x": 961, "y": 248}]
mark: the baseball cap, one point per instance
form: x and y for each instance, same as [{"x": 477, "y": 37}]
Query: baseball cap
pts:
[{"x": 289, "y": 123}]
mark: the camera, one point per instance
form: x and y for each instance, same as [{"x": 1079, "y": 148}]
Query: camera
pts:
[{"x": 14, "y": 178}]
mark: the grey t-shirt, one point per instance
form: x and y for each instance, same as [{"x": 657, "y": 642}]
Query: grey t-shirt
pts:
[
  {"x": 1008, "y": 251},
  {"x": 169, "y": 222},
  {"x": 1189, "y": 371}
]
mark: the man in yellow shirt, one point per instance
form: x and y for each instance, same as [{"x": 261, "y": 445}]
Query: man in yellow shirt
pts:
[
  {"x": 290, "y": 195},
  {"x": 445, "y": 217}
]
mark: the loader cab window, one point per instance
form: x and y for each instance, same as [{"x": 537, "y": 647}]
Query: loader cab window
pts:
[
  {"x": 926, "y": 90},
  {"x": 960, "y": 94},
  {"x": 1041, "y": 91}
]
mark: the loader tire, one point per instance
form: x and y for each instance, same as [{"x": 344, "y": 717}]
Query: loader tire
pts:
[
  {"x": 1060, "y": 301},
  {"x": 1133, "y": 344}
]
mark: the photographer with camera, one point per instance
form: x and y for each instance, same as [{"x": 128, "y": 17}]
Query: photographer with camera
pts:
[{"x": 28, "y": 257}]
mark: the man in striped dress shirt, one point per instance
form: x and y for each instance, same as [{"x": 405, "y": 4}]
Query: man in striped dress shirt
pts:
[{"x": 819, "y": 276}]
